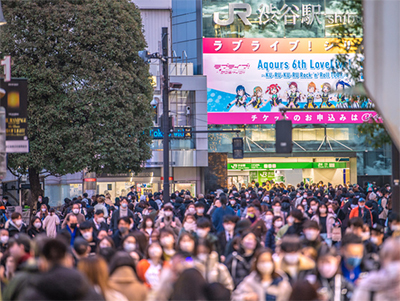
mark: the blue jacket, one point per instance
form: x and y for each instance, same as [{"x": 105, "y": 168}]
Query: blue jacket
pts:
[
  {"x": 218, "y": 217},
  {"x": 270, "y": 239}
]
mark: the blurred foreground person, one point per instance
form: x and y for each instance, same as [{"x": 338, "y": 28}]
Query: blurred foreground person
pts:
[
  {"x": 96, "y": 270},
  {"x": 383, "y": 285},
  {"x": 264, "y": 283}
]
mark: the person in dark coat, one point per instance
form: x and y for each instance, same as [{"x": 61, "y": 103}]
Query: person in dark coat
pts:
[
  {"x": 297, "y": 227},
  {"x": 219, "y": 213},
  {"x": 36, "y": 227},
  {"x": 123, "y": 211},
  {"x": 16, "y": 224},
  {"x": 151, "y": 202},
  {"x": 98, "y": 222}
]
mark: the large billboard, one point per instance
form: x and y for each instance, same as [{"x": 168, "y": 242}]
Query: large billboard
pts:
[{"x": 254, "y": 69}]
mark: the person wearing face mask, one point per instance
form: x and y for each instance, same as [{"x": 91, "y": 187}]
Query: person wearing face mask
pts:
[
  {"x": 326, "y": 220},
  {"x": 42, "y": 213},
  {"x": 362, "y": 211},
  {"x": 225, "y": 237},
  {"x": 123, "y": 211},
  {"x": 257, "y": 224},
  {"x": 189, "y": 224},
  {"x": 200, "y": 211},
  {"x": 190, "y": 209},
  {"x": 313, "y": 208},
  {"x": 50, "y": 223},
  {"x": 297, "y": 219},
  {"x": 292, "y": 262},
  {"x": 122, "y": 231},
  {"x": 87, "y": 233},
  {"x": 330, "y": 283},
  {"x": 385, "y": 283},
  {"x": 264, "y": 282},
  {"x": 71, "y": 230},
  {"x": 312, "y": 241},
  {"x": 169, "y": 221},
  {"x": 16, "y": 224},
  {"x": 75, "y": 212},
  {"x": 187, "y": 243},
  {"x": 203, "y": 230},
  {"x": 352, "y": 251},
  {"x": 239, "y": 262},
  {"x": 167, "y": 242},
  {"x": 148, "y": 229},
  {"x": 98, "y": 222},
  {"x": 208, "y": 265},
  {"x": 35, "y": 227},
  {"x": 101, "y": 205},
  {"x": 220, "y": 212},
  {"x": 270, "y": 238},
  {"x": 149, "y": 269}
]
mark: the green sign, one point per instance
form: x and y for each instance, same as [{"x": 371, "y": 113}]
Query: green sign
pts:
[
  {"x": 267, "y": 175},
  {"x": 285, "y": 165}
]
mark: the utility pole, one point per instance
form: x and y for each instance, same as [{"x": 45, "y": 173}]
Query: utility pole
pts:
[{"x": 165, "y": 96}]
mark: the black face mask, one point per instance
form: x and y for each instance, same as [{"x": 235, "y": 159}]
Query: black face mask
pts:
[{"x": 73, "y": 225}]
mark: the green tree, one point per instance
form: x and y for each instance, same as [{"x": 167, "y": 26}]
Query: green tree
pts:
[
  {"x": 374, "y": 133},
  {"x": 89, "y": 92}
]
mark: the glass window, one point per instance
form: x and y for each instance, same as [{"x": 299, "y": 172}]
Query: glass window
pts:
[{"x": 181, "y": 107}]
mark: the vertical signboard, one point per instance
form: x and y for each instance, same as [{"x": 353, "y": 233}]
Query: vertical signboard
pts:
[{"x": 15, "y": 101}]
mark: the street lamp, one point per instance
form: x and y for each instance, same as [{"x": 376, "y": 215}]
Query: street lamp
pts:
[{"x": 2, "y": 20}]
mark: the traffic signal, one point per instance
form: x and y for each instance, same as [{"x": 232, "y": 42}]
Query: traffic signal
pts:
[
  {"x": 283, "y": 136},
  {"x": 237, "y": 148}
]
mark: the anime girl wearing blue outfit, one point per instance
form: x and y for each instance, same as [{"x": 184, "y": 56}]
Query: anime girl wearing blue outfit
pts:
[
  {"x": 239, "y": 103},
  {"x": 311, "y": 89},
  {"x": 293, "y": 96},
  {"x": 341, "y": 99},
  {"x": 256, "y": 102},
  {"x": 326, "y": 88}
]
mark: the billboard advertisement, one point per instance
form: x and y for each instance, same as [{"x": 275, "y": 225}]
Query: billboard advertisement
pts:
[
  {"x": 250, "y": 79},
  {"x": 15, "y": 101}
]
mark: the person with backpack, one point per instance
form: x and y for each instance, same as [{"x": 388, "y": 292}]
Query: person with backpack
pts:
[{"x": 168, "y": 220}]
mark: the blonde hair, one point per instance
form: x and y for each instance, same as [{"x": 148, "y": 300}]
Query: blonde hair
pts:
[{"x": 96, "y": 270}]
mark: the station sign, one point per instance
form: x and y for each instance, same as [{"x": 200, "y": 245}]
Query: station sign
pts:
[{"x": 286, "y": 165}]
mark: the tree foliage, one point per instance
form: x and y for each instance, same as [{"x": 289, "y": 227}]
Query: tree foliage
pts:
[
  {"x": 89, "y": 92},
  {"x": 374, "y": 133}
]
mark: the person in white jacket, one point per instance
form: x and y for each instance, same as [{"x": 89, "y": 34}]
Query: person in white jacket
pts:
[{"x": 50, "y": 223}]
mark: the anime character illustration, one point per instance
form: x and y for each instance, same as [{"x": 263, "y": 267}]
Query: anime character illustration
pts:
[
  {"x": 365, "y": 103},
  {"x": 256, "y": 102},
  {"x": 239, "y": 103},
  {"x": 275, "y": 101},
  {"x": 326, "y": 88},
  {"x": 341, "y": 99},
  {"x": 354, "y": 102},
  {"x": 311, "y": 90},
  {"x": 293, "y": 95}
]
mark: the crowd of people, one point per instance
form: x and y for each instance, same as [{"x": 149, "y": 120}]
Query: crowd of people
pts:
[{"x": 261, "y": 242}]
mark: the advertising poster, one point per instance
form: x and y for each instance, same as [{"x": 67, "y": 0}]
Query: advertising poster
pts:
[
  {"x": 15, "y": 102},
  {"x": 250, "y": 79}
]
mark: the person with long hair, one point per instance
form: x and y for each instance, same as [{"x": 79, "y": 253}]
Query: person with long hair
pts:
[
  {"x": 36, "y": 227},
  {"x": 96, "y": 270},
  {"x": 190, "y": 285},
  {"x": 123, "y": 277},
  {"x": 264, "y": 281},
  {"x": 43, "y": 212}
]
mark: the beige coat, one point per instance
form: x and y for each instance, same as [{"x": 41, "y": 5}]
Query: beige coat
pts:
[
  {"x": 50, "y": 224},
  {"x": 252, "y": 285},
  {"x": 213, "y": 271},
  {"x": 126, "y": 282},
  {"x": 330, "y": 221}
]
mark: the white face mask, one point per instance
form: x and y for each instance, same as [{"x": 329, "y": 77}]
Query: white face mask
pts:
[
  {"x": 129, "y": 247},
  {"x": 18, "y": 222},
  {"x": 278, "y": 224},
  {"x": 168, "y": 213},
  {"x": 265, "y": 268},
  {"x": 43, "y": 209},
  {"x": 202, "y": 257},
  {"x": 87, "y": 235},
  {"x": 37, "y": 225},
  {"x": 290, "y": 219},
  {"x": 327, "y": 270},
  {"x": 200, "y": 210},
  {"x": 374, "y": 240},
  {"x": 314, "y": 208},
  {"x": 4, "y": 239},
  {"x": 322, "y": 210},
  {"x": 291, "y": 258},
  {"x": 149, "y": 224},
  {"x": 311, "y": 234},
  {"x": 192, "y": 210},
  {"x": 167, "y": 241},
  {"x": 75, "y": 211},
  {"x": 100, "y": 220},
  {"x": 187, "y": 246},
  {"x": 104, "y": 245},
  {"x": 155, "y": 252},
  {"x": 268, "y": 218},
  {"x": 201, "y": 233}
]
